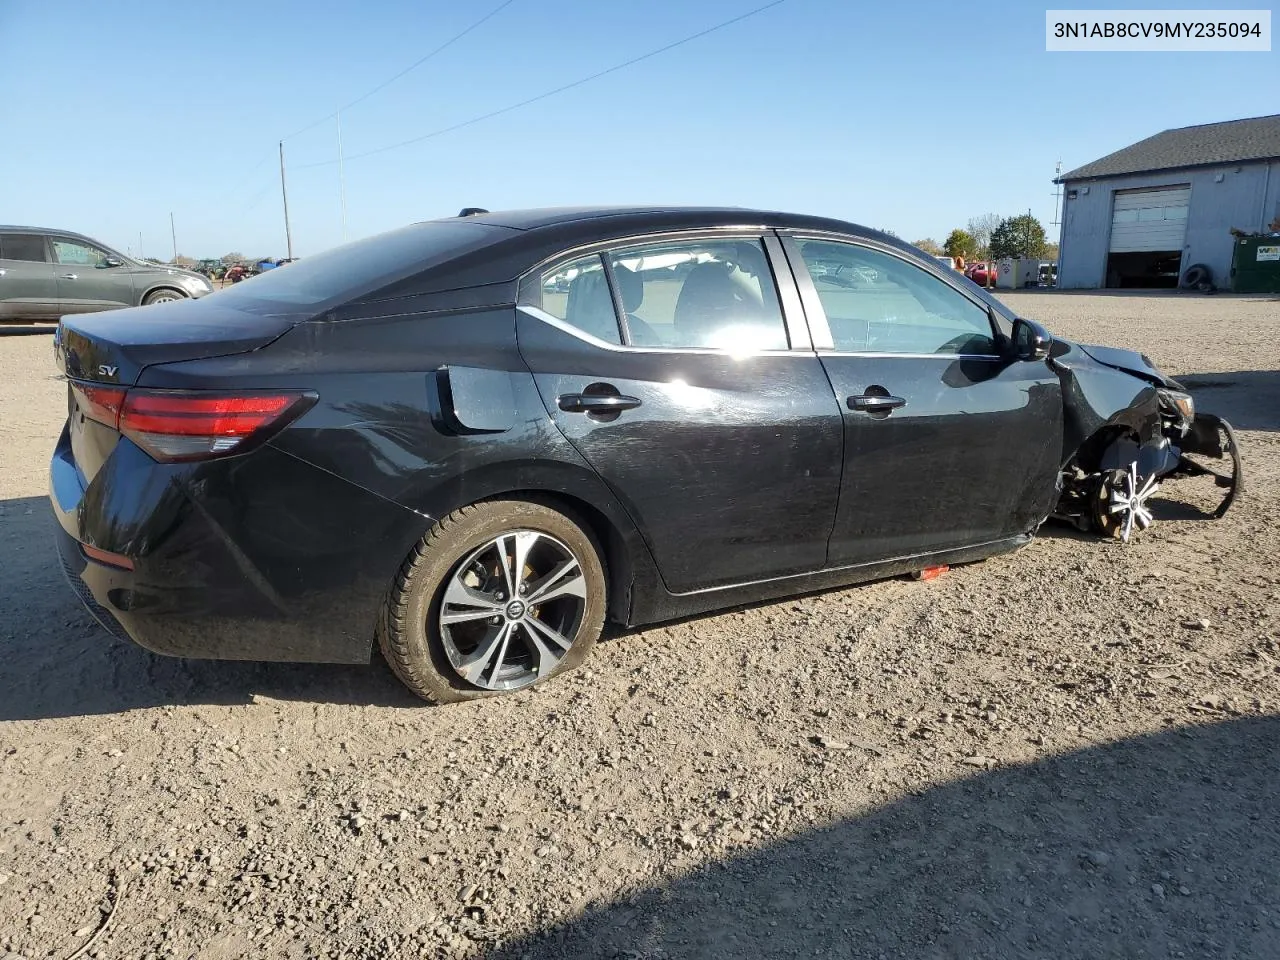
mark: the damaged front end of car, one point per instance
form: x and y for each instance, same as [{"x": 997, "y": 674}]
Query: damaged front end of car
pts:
[{"x": 1130, "y": 428}]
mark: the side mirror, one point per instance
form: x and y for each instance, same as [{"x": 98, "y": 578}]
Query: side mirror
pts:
[
  {"x": 1030, "y": 341},
  {"x": 110, "y": 262}
]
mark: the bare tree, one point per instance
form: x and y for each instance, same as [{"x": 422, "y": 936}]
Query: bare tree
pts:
[
  {"x": 229, "y": 258},
  {"x": 929, "y": 246},
  {"x": 981, "y": 228}
]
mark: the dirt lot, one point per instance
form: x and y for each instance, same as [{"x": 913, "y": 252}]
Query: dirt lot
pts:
[{"x": 1072, "y": 751}]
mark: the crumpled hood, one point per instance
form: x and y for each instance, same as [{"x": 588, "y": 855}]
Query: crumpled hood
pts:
[{"x": 1130, "y": 361}]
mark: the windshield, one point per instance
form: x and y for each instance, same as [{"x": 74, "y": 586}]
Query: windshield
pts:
[{"x": 357, "y": 268}]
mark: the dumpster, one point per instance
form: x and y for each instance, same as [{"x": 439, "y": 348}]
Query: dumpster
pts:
[{"x": 1255, "y": 265}]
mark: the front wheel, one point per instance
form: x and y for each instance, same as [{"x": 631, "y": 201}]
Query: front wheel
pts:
[
  {"x": 162, "y": 296},
  {"x": 498, "y": 596}
]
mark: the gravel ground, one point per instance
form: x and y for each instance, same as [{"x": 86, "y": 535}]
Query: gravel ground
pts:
[{"x": 1071, "y": 751}]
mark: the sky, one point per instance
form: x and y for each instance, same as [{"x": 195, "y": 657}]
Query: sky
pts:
[{"x": 912, "y": 117}]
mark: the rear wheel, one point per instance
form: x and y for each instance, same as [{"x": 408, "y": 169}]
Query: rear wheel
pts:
[
  {"x": 162, "y": 296},
  {"x": 498, "y": 596}
]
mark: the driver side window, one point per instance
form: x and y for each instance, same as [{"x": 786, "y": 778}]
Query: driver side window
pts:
[{"x": 878, "y": 303}]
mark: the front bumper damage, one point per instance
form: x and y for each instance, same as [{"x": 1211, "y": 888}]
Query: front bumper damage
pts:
[
  {"x": 1211, "y": 437},
  {"x": 1111, "y": 497}
]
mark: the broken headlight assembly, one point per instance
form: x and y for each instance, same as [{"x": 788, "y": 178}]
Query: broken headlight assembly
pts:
[{"x": 1178, "y": 409}]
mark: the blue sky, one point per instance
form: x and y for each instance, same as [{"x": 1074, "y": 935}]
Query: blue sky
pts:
[{"x": 910, "y": 116}]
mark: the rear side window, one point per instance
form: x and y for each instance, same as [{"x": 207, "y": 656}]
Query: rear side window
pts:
[
  {"x": 716, "y": 294},
  {"x": 713, "y": 294},
  {"x": 359, "y": 268},
  {"x": 577, "y": 292},
  {"x": 23, "y": 246}
]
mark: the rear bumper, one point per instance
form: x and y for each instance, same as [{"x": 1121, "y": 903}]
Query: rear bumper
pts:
[{"x": 259, "y": 557}]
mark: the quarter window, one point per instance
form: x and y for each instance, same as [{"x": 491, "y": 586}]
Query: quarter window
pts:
[
  {"x": 23, "y": 246},
  {"x": 77, "y": 254},
  {"x": 578, "y": 293},
  {"x": 879, "y": 303},
  {"x": 716, "y": 294}
]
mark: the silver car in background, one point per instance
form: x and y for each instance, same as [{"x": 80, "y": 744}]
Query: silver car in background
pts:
[{"x": 45, "y": 274}]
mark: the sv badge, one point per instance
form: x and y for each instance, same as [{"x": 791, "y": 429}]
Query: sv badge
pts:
[{"x": 107, "y": 371}]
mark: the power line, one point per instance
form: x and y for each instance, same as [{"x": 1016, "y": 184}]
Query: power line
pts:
[
  {"x": 409, "y": 69},
  {"x": 551, "y": 93}
]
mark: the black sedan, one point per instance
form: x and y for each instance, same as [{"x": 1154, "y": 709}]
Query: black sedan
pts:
[{"x": 478, "y": 438}]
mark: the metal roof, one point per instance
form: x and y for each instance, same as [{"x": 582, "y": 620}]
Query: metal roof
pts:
[{"x": 1233, "y": 141}]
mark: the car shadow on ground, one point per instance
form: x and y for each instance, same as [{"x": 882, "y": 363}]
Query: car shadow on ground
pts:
[
  {"x": 1157, "y": 847},
  {"x": 1250, "y": 399},
  {"x": 56, "y": 661}
]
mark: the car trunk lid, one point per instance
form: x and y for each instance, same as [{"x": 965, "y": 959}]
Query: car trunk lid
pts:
[
  {"x": 104, "y": 353},
  {"x": 115, "y": 346}
]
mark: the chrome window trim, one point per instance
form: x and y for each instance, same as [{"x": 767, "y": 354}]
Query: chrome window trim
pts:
[
  {"x": 797, "y": 331},
  {"x": 745, "y": 231},
  {"x": 538, "y": 313},
  {"x": 992, "y": 357}
]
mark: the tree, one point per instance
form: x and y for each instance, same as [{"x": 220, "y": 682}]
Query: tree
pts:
[
  {"x": 929, "y": 246},
  {"x": 184, "y": 261},
  {"x": 229, "y": 258},
  {"x": 960, "y": 244},
  {"x": 980, "y": 228},
  {"x": 890, "y": 233},
  {"x": 1020, "y": 236}
]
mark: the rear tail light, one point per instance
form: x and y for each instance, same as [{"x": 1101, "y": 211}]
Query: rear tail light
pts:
[{"x": 179, "y": 425}]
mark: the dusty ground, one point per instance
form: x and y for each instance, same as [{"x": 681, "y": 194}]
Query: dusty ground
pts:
[{"x": 1073, "y": 751}]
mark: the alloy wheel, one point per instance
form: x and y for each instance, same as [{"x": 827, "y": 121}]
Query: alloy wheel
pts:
[
  {"x": 1128, "y": 501},
  {"x": 511, "y": 610}
]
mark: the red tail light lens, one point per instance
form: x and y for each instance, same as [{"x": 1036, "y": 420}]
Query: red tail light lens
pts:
[
  {"x": 100, "y": 403},
  {"x": 175, "y": 425}
]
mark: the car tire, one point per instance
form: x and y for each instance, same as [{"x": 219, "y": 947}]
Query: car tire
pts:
[
  {"x": 456, "y": 565},
  {"x": 1197, "y": 277},
  {"x": 163, "y": 295}
]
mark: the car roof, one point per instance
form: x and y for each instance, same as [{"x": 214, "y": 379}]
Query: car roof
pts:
[
  {"x": 640, "y": 219},
  {"x": 10, "y": 228}
]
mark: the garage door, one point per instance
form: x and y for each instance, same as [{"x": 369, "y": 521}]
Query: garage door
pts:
[{"x": 1149, "y": 219}]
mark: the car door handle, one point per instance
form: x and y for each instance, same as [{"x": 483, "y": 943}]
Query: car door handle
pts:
[
  {"x": 69, "y": 276},
  {"x": 596, "y": 403},
  {"x": 875, "y": 403}
]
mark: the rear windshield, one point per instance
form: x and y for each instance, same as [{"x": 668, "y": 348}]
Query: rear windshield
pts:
[{"x": 358, "y": 268}]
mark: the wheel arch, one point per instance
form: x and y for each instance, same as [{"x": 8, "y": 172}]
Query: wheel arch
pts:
[
  {"x": 576, "y": 490},
  {"x": 162, "y": 285}
]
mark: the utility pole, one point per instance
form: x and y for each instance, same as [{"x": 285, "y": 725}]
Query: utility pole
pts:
[
  {"x": 1057, "y": 195},
  {"x": 284, "y": 194},
  {"x": 342, "y": 180},
  {"x": 173, "y": 233},
  {"x": 139, "y": 244}
]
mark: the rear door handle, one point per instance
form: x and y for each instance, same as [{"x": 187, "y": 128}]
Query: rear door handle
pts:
[
  {"x": 875, "y": 403},
  {"x": 596, "y": 403},
  {"x": 69, "y": 276}
]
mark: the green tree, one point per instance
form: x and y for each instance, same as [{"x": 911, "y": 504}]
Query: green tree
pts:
[
  {"x": 980, "y": 228},
  {"x": 1020, "y": 236},
  {"x": 929, "y": 246},
  {"x": 960, "y": 243},
  {"x": 229, "y": 258}
]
